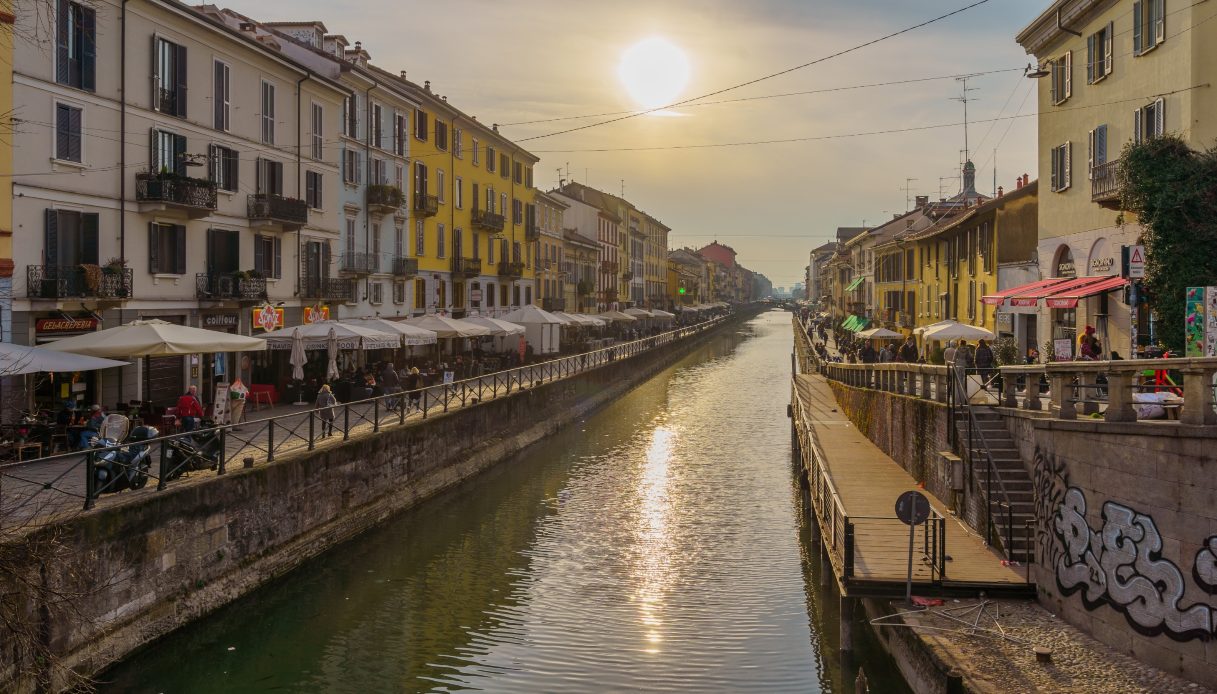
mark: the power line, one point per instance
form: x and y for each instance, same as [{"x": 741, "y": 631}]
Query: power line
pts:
[{"x": 771, "y": 75}]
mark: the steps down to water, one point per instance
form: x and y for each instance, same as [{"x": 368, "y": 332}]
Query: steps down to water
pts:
[{"x": 1010, "y": 525}]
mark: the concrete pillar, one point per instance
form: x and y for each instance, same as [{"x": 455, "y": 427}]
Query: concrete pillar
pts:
[
  {"x": 1087, "y": 392},
  {"x": 1031, "y": 396},
  {"x": 1062, "y": 401},
  {"x": 940, "y": 386},
  {"x": 1198, "y": 397},
  {"x": 1008, "y": 381},
  {"x": 927, "y": 388},
  {"x": 847, "y": 625},
  {"x": 1119, "y": 397},
  {"x": 826, "y": 571}
]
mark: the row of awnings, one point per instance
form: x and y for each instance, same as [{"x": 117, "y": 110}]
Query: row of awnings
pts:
[
  {"x": 1057, "y": 292},
  {"x": 855, "y": 323}
]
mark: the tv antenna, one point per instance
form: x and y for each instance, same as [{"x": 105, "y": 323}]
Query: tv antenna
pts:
[
  {"x": 907, "y": 188},
  {"x": 963, "y": 98}
]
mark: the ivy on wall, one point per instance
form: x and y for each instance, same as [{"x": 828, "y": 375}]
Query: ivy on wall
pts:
[{"x": 1172, "y": 189}]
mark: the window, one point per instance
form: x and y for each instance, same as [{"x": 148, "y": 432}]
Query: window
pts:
[
  {"x": 377, "y": 134},
  {"x": 458, "y": 193},
  {"x": 312, "y": 189},
  {"x": 376, "y": 293},
  {"x": 348, "y": 241},
  {"x": 399, "y": 242},
  {"x": 503, "y": 204},
  {"x": 420, "y": 238},
  {"x": 1061, "y": 175},
  {"x": 476, "y": 151},
  {"x": 441, "y": 136},
  {"x": 351, "y": 169},
  {"x": 223, "y": 165},
  {"x": 439, "y": 184},
  {"x": 399, "y": 292},
  {"x": 458, "y": 144},
  {"x": 318, "y": 119},
  {"x": 420, "y": 293},
  {"x": 490, "y": 199},
  {"x": 504, "y": 166},
  {"x": 399, "y": 179},
  {"x": 1148, "y": 25},
  {"x": 517, "y": 211},
  {"x": 399, "y": 135},
  {"x": 475, "y": 244},
  {"x": 169, "y": 78},
  {"x": 68, "y": 143},
  {"x": 1098, "y": 54},
  {"x": 270, "y": 177},
  {"x": 1097, "y": 149},
  {"x": 268, "y": 113},
  {"x": 350, "y": 116},
  {"x": 222, "y": 96},
  {"x": 528, "y": 176},
  {"x": 420, "y": 179},
  {"x": 490, "y": 250},
  {"x": 490, "y": 158},
  {"x": 376, "y": 243},
  {"x": 518, "y": 172},
  {"x": 1062, "y": 78},
  {"x": 71, "y": 238},
  {"x": 168, "y": 153},
  {"x": 267, "y": 257},
  {"x": 166, "y": 249},
  {"x": 1149, "y": 121},
  {"x": 439, "y": 241},
  {"x": 76, "y": 46},
  {"x": 379, "y": 174},
  {"x": 420, "y": 124}
]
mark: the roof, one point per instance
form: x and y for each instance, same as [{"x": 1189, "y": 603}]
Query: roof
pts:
[
  {"x": 551, "y": 199},
  {"x": 847, "y": 233}
]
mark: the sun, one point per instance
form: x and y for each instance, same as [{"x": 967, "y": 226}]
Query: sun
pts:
[{"x": 654, "y": 71}]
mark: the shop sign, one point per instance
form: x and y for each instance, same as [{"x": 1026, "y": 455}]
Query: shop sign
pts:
[
  {"x": 268, "y": 318},
  {"x": 221, "y": 320},
  {"x": 1102, "y": 259},
  {"x": 314, "y": 314},
  {"x": 1101, "y": 265},
  {"x": 65, "y": 325}
]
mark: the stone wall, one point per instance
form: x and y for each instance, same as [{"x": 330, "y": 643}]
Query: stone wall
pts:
[
  {"x": 155, "y": 563},
  {"x": 1126, "y": 535}
]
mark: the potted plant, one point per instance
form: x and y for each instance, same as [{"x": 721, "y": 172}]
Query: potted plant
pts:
[
  {"x": 92, "y": 275},
  {"x": 114, "y": 266}
]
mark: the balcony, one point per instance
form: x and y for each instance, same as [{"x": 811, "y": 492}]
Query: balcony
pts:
[
  {"x": 488, "y": 221},
  {"x": 467, "y": 267},
  {"x": 327, "y": 288},
  {"x": 194, "y": 197},
  {"x": 532, "y": 232},
  {"x": 109, "y": 283},
  {"x": 584, "y": 287},
  {"x": 359, "y": 263},
  {"x": 1105, "y": 184},
  {"x": 609, "y": 266},
  {"x": 385, "y": 199},
  {"x": 230, "y": 286},
  {"x": 627, "y": 275},
  {"x": 426, "y": 205},
  {"x": 288, "y": 213},
  {"x": 511, "y": 269},
  {"x": 405, "y": 267},
  {"x": 551, "y": 303}
]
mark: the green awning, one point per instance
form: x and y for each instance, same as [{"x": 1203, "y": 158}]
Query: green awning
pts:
[
  {"x": 855, "y": 323},
  {"x": 855, "y": 284},
  {"x": 849, "y": 323}
]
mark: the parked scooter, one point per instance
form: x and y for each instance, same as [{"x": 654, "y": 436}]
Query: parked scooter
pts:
[
  {"x": 198, "y": 451},
  {"x": 117, "y": 468}
]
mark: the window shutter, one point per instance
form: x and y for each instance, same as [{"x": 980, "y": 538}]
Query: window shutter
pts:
[
  {"x": 1137, "y": 39},
  {"x": 62, "y": 71},
  {"x": 325, "y": 260},
  {"x": 155, "y": 157},
  {"x": 260, "y": 168},
  {"x": 217, "y": 98},
  {"x": 1159, "y": 117},
  {"x": 233, "y": 162},
  {"x": 179, "y": 87},
  {"x": 260, "y": 263},
  {"x": 1054, "y": 76},
  {"x": 1056, "y": 168},
  {"x": 179, "y": 264},
  {"x": 74, "y": 135},
  {"x": 179, "y": 154},
  {"x": 1159, "y": 17},
  {"x": 358, "y": 158},
  {"x": 1091, "y": 151},
  {"x": 154, "y": 259},
  {"x": 1108, "y": 40},
  {"x": 214, "y": 165},
  {"x": 233, "y": 244},
  {"x": 61, "y": 131},
  {"x": 1068, "y": 165},
  {"x": 278, "y": 269},
  {"x": 1101, "y": 144},
  {"x": 1068, "y": 74},
  {"x": 1137, "y": 132},
  {"x": 1091, "y": 54},
  {"x": 51, "y": 238},
  {"x": 88, "y": 51}
]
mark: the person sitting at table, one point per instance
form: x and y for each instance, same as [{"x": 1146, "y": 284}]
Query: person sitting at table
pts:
[
  {"x": 67, "y": 414},
  {"x": 91, "y": 428},
  {"x": 190, "y": 409}
]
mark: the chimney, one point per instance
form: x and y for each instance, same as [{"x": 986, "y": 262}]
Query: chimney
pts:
[
  {"x": 403, "y": 74},
  {"x": 248, "y": 26},
  {"x": 1026, "y": 179},
  {"x": 922, "y": 201},
  {"x": 427, "y": 86},
  {"x": 358, "y": 46},
  {"x": 1001, "y": 191},
  {"x": 494, "y": 127}
]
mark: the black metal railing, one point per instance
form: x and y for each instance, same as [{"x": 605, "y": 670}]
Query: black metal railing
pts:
[
  {"x": 385, "y": 197},
  {"x": 426, "y": 205},
  {"x": 179, "y": 191},
  {"x": 78, "y": 282},
  {"x": 553, "y": 303},
  {"x": 532, "y": 232},
  {"x": 1105, "y": 181},
  {"x": 360, "y": 262},
  {"x": 511, "y": 269},
  {"x": 469, "y": 267},
  {"x": 488, "y": 221},
  {"x": 275, "y": 208},
  {"x": 405, "y": 267},
  {"x": 51, "y": 484},
  {"x": 240, "y": 286},
  {"x": 337, "y": 289}
]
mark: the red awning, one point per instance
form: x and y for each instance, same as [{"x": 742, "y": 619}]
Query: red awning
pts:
[
  {"x": 1000, "y": 298},
  {"x": 1031, "y": 297},
  {"x": 1096, "y": 285}
]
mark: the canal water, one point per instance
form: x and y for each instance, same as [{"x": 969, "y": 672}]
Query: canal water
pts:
[{"x": 657, "y": 545}]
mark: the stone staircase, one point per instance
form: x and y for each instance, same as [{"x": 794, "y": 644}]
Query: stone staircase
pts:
[{"x": 1008, "y": 525}]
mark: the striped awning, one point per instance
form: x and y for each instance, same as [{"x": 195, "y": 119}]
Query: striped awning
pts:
[
  {"x": 1000, "y": 297},
  {"x": 855, "y": 284},
  {"x": 1098, "y": 285}
]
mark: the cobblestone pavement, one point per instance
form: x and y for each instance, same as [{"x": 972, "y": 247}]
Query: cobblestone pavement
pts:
[{"x": 1079, "y": 664}]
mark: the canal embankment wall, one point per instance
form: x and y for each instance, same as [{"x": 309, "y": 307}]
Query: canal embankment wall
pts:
[
  {"x": 133, "y": 572},
  {"x": 1125, "y": 522}
]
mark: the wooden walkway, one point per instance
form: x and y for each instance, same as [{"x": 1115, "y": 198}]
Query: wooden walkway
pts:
[{"x": 867, "y": 483}]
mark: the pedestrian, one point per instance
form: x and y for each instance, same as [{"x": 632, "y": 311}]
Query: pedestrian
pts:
[
  {"x": 948, "y": 355},
  {"x": 908, "y": 351},
  {"x": 190, "y": 409},
  {"x": 391, "y": 385},
  {"x": 326, "y": 404},
  {"x": 413, "y": 386},
  {"x": 868, "y": 354},
  {"x": 985, "y": 361},
  {"x": 1088, "y": 346}
]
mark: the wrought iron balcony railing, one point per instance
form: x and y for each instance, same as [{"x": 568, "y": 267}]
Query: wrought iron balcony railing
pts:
[
  {"x": 532, "y": 232},
  {"x": 426, "y": 205},
  {"x": 195, "y": 196},
  {"x": 78, "y": 282},
  {"x": 553, "y": 303},
  {"x": 511, "y": 269},
  {"x": 609, "y": 266},
  {"x": 488, "y": 221},
  {"x": 584, "y": 287},
  {"x": 1105, "y": 183},
  {"x": 385, "y": 199},
  {"x": 239, "y": 286},
  {"x": 327, "y": 288},
  {"x": 360, "y": 263},
  {"x": 288, "y": 212},
  {"x": 405, "y": 267},
  {"x": 468, "y": 267}
]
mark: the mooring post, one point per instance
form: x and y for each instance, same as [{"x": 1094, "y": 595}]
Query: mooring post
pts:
[{"x": 847, "y": 626}]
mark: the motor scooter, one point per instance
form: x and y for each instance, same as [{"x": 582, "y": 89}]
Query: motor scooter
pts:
[
  {"x": 121, "y": 464},
  {"x": 200, "y": 450}
]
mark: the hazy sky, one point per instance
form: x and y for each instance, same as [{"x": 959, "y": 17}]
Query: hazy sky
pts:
[{"x": 523, "y": 60}]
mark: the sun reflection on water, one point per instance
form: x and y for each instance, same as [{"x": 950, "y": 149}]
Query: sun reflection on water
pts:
[{"x": 652, "y": 570}]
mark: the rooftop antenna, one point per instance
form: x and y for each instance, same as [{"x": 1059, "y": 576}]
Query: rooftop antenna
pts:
[
  {"x": 623, "y": 189},
  {"x": 963, "y": 98},
  {"x": 907, "y": 187},
  {"x": 945, "y": 178}
]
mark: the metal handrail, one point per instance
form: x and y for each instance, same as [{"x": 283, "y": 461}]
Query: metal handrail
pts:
[{"x": 959, "y": 385}]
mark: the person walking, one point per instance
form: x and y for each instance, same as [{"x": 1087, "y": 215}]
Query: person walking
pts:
[
  {"x": 948, "y": 354},
  {"x": 413, "y": 386},
  {"x": 190, "y": 409},
  {"x": 985, "y": 361},
  {"x": 391, "y": 385},
  {"x": 326, "y": 402},
  {"x": 908, "y": 351}
]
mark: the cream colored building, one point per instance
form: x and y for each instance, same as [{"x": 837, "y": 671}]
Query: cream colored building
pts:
[
  {"x": 552, "y": 275},
  {"x": 1116, "y": 71}
]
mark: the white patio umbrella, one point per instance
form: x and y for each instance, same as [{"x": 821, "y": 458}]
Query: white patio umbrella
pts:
[
  {"x": 933, "y": 326},
  {"x": 531, "y": 315},
  {"x": 444, "y": 326},
  {"x": 410, "y": 335},
  {"x": 571, "y": 318},
  {"x": 880, "y": 334},
  {"x": 496, "y": 326},
  {"x": 584, "y": 319},
  {"x": 616, "y": 317},
  {"x": 638, "y": 312},
  {"x": 298, "y": 359},
  {"x": 958, "y": 331},
  {"x": 331, "y": 356},
  {"x": 662, "y": 315},
  {"x": 317, "y": 335},
  {"x": 542, "y": 327},
  {"x": 21, "y": 359},
  {"x": 151, "y": 338}
]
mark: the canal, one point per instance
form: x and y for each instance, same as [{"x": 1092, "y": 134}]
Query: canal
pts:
[{"x": 657, "y": 545}]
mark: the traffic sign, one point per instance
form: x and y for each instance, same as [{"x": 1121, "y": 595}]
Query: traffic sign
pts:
[
  {"x": 1136, "y": 262},
  {"x": 912, "y": 508}
]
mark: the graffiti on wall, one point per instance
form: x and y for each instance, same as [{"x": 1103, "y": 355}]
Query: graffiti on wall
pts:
[{"x": 1120, "y": 564}]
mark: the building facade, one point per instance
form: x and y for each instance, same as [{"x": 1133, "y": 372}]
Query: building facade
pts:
[{"x": 551, "y": 273}]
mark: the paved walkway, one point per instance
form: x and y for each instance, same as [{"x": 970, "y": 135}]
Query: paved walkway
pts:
[{"x": 869, "y": 482}]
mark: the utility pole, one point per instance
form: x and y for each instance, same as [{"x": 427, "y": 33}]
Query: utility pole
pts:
[
  {"x": 907, "y": 188},
  {"x": 963, "y": 98}
]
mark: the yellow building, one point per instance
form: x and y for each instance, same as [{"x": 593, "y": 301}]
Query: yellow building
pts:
[
  {"x": 6, "y": 179},
  {"x": 550, "y": 278},
  {"x": 473, "y": 214}
]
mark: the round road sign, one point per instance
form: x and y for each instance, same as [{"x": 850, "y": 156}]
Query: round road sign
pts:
[{"x": 912, "y": 508}]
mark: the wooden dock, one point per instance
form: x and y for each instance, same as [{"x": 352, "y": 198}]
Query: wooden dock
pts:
[{"x": 853, "y": 486}]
